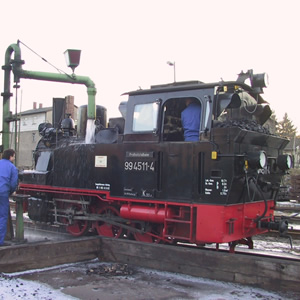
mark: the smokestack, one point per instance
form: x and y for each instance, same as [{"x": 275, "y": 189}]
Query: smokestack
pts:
[
  {"x": 40, "y": 105},
  {"x": 34, "y": 105}
]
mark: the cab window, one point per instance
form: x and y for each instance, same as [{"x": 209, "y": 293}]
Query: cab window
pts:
[
  {"x": 172, "y": 123},
  {"x": 145, "y": 117}
]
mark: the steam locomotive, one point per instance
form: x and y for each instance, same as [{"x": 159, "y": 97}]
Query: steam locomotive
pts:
[{"x": 136, "y": 177}]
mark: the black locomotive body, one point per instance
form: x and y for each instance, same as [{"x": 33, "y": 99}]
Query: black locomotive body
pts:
[{"x": 139, "y": 178}]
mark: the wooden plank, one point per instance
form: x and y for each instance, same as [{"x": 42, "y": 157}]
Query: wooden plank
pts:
[
  {"x": 47, "y": 254},
  {"x": 264, "y": 272}
]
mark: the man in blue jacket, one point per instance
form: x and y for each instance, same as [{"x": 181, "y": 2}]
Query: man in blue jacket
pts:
[
  {"x": 190, "y": 119},
  {"x": 8, "y": 184}
]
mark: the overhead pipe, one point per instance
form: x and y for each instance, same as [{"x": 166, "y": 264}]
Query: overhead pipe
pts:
[
  {"x": 15, "y": 65},
  {"x": 74, "y": 79}
]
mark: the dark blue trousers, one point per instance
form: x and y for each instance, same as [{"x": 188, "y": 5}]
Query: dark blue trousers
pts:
[{"x": 4, "y": 205}]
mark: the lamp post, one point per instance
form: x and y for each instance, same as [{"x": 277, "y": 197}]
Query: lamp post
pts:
[{"x": 172, "y": 64}]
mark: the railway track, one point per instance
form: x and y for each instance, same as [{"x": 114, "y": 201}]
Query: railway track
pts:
[
  {"x": 278, "y": 271},
  {"x": 294, "y": 233}
]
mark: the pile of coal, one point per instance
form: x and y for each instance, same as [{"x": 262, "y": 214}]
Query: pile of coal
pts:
[{"x": 111, "y": 270}]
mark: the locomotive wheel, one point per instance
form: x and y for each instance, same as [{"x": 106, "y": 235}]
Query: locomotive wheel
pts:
[
  {"x": 78, "y": 227},
  {"x": 106, "y": 229},
  {"x": 156, "y": 229}
]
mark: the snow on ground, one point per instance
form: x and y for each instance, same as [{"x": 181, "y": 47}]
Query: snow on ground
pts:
[
  {"x": 15, "y": 288},
  {"x": 212, "y": 289}
]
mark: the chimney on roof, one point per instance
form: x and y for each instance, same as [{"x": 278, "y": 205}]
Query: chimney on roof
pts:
[
  {"x": 69, "y": 108},
  {"x": 40, "y": 105},
  {"x": 34, "y": 105}
]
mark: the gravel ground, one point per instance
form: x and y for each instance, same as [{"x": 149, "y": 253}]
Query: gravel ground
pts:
[{"x": 109, "y": 281}]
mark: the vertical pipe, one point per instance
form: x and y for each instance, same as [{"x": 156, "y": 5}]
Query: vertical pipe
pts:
[
  {"x": 6, "y": 108},
  {"x": 7, "y": 94},
  {"x": 16, "y": 125},
  {"x": 91, "y": 111}
]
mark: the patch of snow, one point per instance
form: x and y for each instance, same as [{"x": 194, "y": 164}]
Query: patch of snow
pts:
[
  {"x": 15, "y": 288},
  {"x": 213, "y": 289}
]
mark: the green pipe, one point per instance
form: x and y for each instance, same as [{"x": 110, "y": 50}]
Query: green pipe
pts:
[
  {"x": 19, "y": 220},
  {"x": 7, "y": 94},
  {"x": 91, "y": 109},
  {"x": 75, "y": 79}
]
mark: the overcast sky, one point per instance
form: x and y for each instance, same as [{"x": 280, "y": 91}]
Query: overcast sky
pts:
[{"x": 126, "y": 44}]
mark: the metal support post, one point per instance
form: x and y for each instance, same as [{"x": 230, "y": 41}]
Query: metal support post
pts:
[{"x": 19, "y": 237}]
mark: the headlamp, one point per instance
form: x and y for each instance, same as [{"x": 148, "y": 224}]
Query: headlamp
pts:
[
  {"x": 284, "y": 162},
  {"x": 257, "y": 160},
  {"x": 260, "y": 80}
]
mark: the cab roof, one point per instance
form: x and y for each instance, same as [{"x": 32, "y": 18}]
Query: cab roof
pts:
[{"x": 187, "y": 85}]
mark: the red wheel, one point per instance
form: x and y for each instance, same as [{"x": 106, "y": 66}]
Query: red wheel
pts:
[
  {"x": 106, "y": 229},
  {"x": 77, "y": 227},
  {"x": 156, "y": 229}
]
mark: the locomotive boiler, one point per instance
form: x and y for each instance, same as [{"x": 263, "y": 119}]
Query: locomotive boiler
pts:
[{"x": 136, "y": 177}]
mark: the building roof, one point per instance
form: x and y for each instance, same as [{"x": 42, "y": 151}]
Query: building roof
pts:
[{"x": 36, "y": 111}]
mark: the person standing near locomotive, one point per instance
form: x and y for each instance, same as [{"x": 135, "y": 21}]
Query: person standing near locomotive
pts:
[
  {"x": 190, "y": 119},
  {"x": 8, "y": 184}
]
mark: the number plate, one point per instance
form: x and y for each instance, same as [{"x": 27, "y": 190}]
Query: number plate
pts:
[{"x": 140, "y": 166}]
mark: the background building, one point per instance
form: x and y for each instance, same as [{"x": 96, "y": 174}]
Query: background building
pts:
[{"x": 293, "y": 148}]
